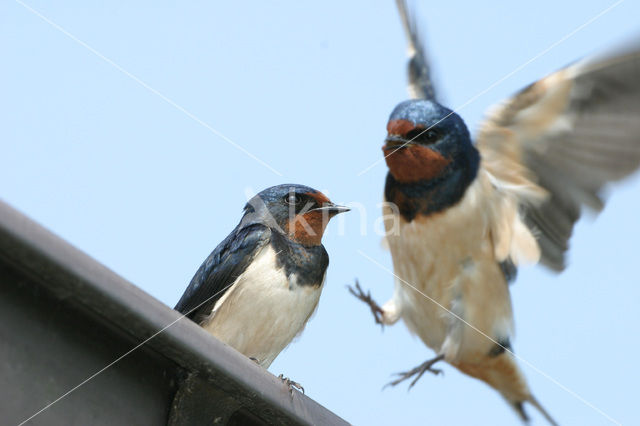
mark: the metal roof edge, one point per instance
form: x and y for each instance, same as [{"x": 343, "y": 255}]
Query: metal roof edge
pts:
[{"x": 73, "y": 276}]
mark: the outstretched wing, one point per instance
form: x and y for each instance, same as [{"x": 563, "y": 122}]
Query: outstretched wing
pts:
[
  {"x": 420, "y": 84},
  {"x": 220, "y": 270},
  {"x": 555, "y": 145}
]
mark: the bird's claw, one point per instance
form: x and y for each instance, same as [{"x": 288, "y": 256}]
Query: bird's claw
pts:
[
  {"x": 418, "y": 372},
  {"x": 376, "y": 310},
  {"x": 291, "y": 384}
]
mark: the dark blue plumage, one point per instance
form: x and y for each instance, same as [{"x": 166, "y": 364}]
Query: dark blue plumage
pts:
[
  {"x": 258, "y": 288},
  {"x": 308, "y": 263},
  {"x": 421, "y": 124},
  {"x": 221, "y": 268}
]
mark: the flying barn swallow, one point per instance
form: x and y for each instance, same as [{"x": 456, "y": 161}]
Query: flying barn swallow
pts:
[
  {"x": 468, "y": 215},
  {"x": 258, "y": 288}
]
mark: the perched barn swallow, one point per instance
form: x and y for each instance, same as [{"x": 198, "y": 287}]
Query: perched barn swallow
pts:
[
  {"x": 468, "y": 215},
  {"x": 258, "y": 288}
]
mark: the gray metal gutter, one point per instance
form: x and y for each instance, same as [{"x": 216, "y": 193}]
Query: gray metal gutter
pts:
[{"x": 64, "y": 316}]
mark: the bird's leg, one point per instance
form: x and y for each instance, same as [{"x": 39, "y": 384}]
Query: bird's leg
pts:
[
  {"x": 291, "y": 384},
  {"x": 254, "y": 360},
  {"x": 419, "y": 371},
  {"x": 376, "y": 310}
]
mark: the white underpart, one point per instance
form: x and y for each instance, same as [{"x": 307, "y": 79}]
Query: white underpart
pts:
[
  {"x": 263, "y": 310},
  {"x": 452, "y": 257}
]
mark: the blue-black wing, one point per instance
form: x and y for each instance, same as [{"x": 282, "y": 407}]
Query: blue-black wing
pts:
[
  {"x": 419, "y": 72},
  {"x": 226, "y": 263}
]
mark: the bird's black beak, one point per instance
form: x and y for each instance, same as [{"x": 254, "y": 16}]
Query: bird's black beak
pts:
[
  {"x": 332, "y": 209},
  {"x": 396, "y": 142}
]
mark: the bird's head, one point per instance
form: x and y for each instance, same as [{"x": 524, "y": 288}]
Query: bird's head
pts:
[
  {"x": 424, "y": 141},
  {"x": 299, "y": 212}
]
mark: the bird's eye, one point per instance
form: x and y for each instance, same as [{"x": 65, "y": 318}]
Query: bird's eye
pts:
[
  {"x": 292, "y": 199},
  {"x": 431, "y": 135},
  {"x": 423, "y": 136}
]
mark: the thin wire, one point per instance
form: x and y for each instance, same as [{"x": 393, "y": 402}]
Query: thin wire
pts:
[
  {"x": 536, "y": 369},
  {"x": 146, "y": 86},
  {"x": 121, "y": 357},
  {"x": 499, "y": 81}
]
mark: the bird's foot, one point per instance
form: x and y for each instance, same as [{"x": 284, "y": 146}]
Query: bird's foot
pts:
[
  {"x": 376, "y": 310},
  {"x": 418, "y": 372},
  {"x": 291, "y": 384}
]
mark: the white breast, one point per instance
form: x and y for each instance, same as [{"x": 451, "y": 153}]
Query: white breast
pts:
[
  {"x": 450, "y": 259},
  {"x": 263, "y": 310}
]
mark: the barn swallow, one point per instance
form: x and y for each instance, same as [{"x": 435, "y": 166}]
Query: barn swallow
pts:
[
  {"x": 258, "y": 288},
  {"x": 469, "y": 214}
]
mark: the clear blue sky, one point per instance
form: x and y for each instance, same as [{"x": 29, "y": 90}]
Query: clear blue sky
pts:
[{"x": 138, "y": 184}]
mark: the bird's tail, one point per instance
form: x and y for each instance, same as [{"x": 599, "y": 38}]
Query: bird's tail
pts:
[
  {"x": 502, "y": 373},
  {"x": 518, "y": 406}
]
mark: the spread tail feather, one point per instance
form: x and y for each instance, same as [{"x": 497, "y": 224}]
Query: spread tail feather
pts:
[
  {"x": 518, "y": 406},
  {"x": 533, "y": 401},
  {"x": 501, "y": 372}
]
